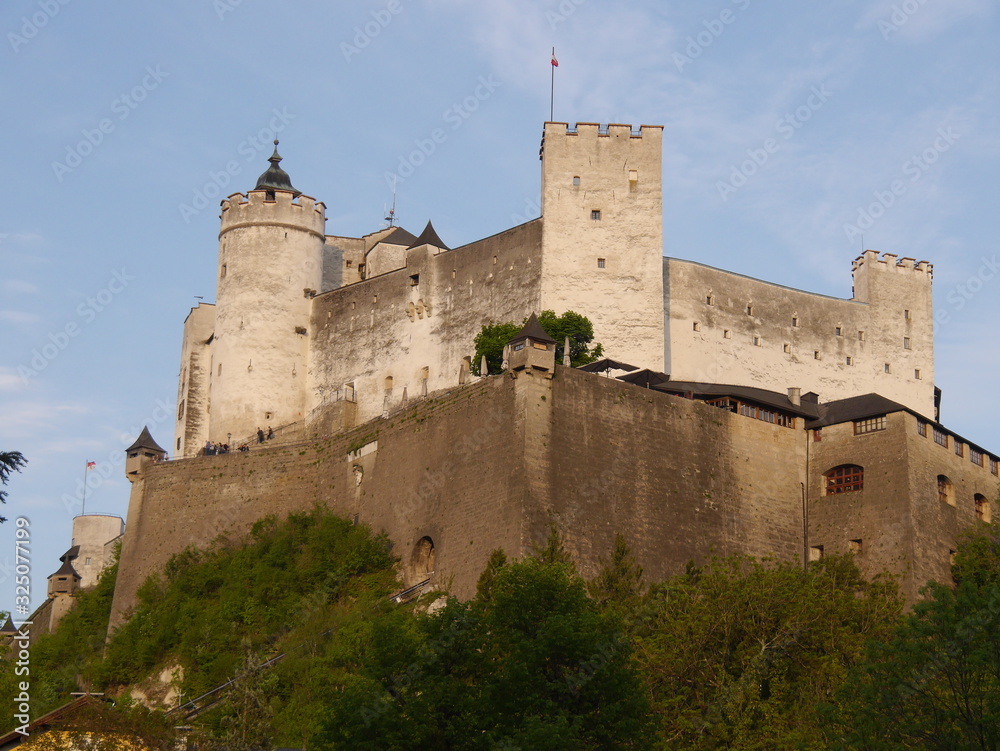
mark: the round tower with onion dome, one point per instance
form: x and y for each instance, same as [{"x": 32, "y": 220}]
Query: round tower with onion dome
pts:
[{"x": 270, "y": 267}]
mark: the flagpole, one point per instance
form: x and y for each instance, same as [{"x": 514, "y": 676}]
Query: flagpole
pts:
[
  {"x": 552, "y": 90},
  {"x": 86, "y": 469}
]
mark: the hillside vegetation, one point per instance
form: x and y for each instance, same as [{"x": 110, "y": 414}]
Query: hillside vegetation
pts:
[{"x": 738, "y": 653}]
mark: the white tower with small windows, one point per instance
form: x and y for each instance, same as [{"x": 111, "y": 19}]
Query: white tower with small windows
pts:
[
  {"x": 270, "y": 267},
  {"x": 602, "y": 234}
]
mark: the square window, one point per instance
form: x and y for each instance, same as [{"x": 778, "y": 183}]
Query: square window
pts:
[
  {"x": 595, "y": 215},
  {"x": 861, "y": 336},
  {"x": 906, "y": 342},
  {"x": 415, "y": 280},
  {"x": 576, "y": 181},
  {"x": 887, "y": 368},
  {"x": 959, "y": 448},
  {"x": 839, "y": 331},
  {"x": 815, "y": 552},
  {"x": 727, "y": 334},
  {"x": 817, "y": 355},
  {"x": 696, "y": 326},
  {"x": 906, "y": 315},
  {"x": 756, "y": 341},
  {"x": 795, "y": 322},
  {"x": 349, "y": 263},
  {"x": 854, "y": 546},
  {"x": 921, "y": 428},
  {"x": 709, "y": 299},
  {"x": 787, "y": 348},
  {"x": 916, "y": 373},
  {"x": 850, "y": 360},
  {"x": 600, "y": 263}
]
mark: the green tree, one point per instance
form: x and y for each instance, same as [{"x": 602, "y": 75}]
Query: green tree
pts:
[
  {"x": 10, "y": 461},
  {"x": 580, "y": 331},
  {"x": 552, "y": 551},
  {"x": 493, "y": 337},
  {"x": 738, "y": 654},
  {"x": 490, "y": 341},
  {"x": 619, "y": 582},
  {"x": 532, "y": 665},
  {"x": 936, "y": 683}
]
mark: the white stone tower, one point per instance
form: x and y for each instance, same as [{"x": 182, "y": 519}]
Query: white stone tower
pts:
[
  {"x": 270, "y": 266},
  {"x": 602, "y": 234}
]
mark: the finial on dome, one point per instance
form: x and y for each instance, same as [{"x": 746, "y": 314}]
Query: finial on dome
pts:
[{"x": 275, "y": 178}]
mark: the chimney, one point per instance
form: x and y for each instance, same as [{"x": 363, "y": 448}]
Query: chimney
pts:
[{"x": 795, "y": 396}]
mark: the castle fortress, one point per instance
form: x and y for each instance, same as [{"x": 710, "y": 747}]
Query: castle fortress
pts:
[{"x": 762, "y": 419}]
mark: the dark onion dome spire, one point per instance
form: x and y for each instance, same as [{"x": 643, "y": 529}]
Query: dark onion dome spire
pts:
[{"x": 275, "y": 178}]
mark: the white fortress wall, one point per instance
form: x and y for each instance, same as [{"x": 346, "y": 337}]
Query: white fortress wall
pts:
[
  {"x": 728, "y": 328},
  {"x": 413, "y": 328}
]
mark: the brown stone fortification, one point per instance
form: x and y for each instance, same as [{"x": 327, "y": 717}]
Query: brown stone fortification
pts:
[{"x": 493, "y": 465}]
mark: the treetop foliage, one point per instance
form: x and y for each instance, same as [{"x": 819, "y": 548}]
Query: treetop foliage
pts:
[{"x": 493, "y": 337}]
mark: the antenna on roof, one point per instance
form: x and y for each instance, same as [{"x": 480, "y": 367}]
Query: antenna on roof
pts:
[{"x": 391, "y": 218}]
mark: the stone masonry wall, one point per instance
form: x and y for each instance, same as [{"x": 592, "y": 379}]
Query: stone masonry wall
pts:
[
  {"x": 443, "y": 468},
  {"x": 680, "y": 479}
]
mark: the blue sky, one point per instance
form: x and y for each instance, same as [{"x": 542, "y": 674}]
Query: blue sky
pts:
[{"x": 125, "y": 121}]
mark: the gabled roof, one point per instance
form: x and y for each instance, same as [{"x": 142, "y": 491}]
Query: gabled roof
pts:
[
  {"x": 429, "y": 237},
  {"x": 14, "y": 738},
  {"x": 532, "y": 330},
  {"x": 145, "y": 441},
  {"x": 855, "y": 408},
  {"x": 399, "y": 236},
  {"x": 8, "y": 627},
  {"x": 746, "y": 393},
  {"x": 644, "y": 378}
]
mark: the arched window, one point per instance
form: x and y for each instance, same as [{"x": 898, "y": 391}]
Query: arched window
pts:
[
  {"x": 845, "y": 479},
  {"x": 946, "y": 491},
  {"x": 983, "y": 512}
]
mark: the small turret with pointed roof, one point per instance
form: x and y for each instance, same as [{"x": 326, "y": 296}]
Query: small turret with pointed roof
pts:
[
  {"x": 429, "y": 237},
  {"x": 275, "y": 178},
  {"x": 532, "y": 350},
  {"x": 65, "y": 581},
  {"x": 145, "y": 449}
]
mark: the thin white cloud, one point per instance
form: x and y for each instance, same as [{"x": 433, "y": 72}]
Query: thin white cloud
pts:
[
  {"x": 10, "y": 380},
  {"x": 19, "y": 317},
  {"x": 18, "y": 287},
  {"x": 920, "y": 20}
]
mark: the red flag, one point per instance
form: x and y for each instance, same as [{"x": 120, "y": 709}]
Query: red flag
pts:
[
  {"x": 555, "y": 63},
  {"x": 91, "y": 465}
]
